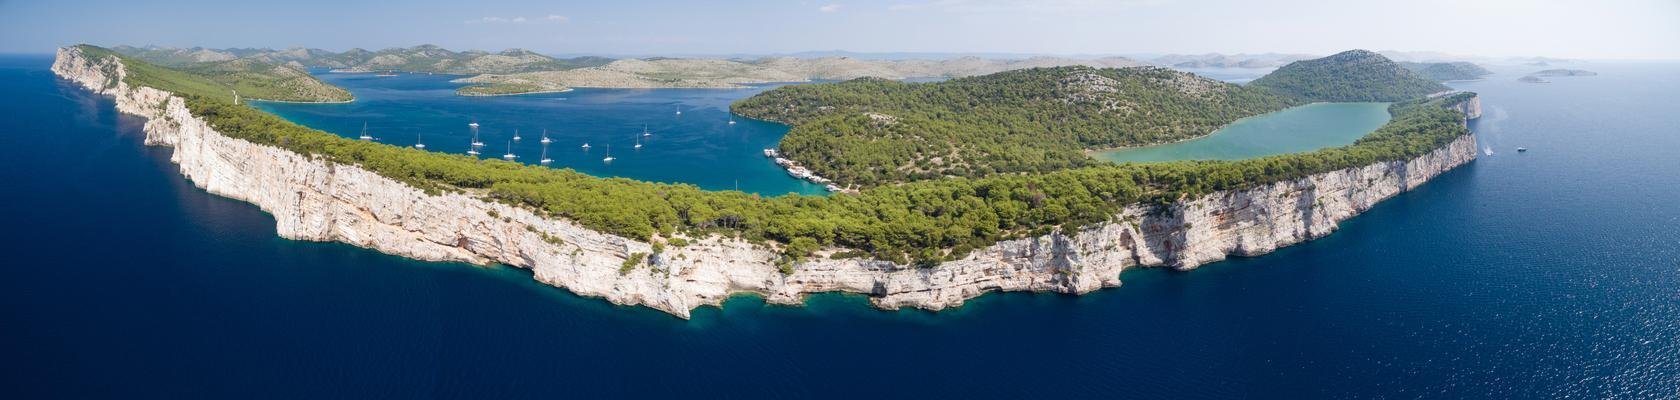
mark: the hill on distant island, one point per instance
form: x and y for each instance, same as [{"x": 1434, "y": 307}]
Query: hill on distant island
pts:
[
  {"x": 423, "y": 58},
  {"x": 1447, "y": 71},
  {"x": 1349, "y": 76},
  {"x": 218, "y": 76}
]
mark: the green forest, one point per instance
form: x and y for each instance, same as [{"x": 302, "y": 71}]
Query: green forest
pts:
[{"x": 922, "y": 222}]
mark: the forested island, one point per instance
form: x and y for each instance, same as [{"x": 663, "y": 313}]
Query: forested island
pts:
[{"x": 921, "y": 220}]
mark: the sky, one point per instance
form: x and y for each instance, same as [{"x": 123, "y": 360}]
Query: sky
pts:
[{"x": 1599, "y": 29}]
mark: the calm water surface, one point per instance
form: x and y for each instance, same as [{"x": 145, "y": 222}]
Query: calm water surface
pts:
[
  {"x": 698, "y": 146},
  {"x": 1547, "y": 274},
  {"x": 1294, "y": 130}
]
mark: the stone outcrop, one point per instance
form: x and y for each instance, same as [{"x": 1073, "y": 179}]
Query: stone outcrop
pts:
[{"x": 318, "y": 200}]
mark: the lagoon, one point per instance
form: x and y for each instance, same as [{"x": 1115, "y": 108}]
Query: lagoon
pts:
[{"x": 1294, "y": 130}]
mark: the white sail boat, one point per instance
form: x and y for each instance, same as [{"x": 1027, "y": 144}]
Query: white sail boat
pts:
[
  {"x": 732, "y": 118},
  {"x": 679, "y": 110},
  {"x": 545, "y": 139},
  {"x": 417, "y": 143},
  {"x": 585, "y": 146},
  {"x": 545, "y": 159},
  {"x": 472, "y": 150},
  {"x": 474, "y": 127},
  {"x": 515, "y": 135},
  {"x": 645, "y": 132},
  {"x": 609, "y": 157},
  {"x": 638, "y": 143},
  {"x": 509, "y": 155},
  {"x": 364, "y": 132}
]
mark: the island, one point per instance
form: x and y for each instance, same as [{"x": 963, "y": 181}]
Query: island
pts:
[
  {"x": 1540, "y": 76},
  {"x": 903, "y": 240},
  {"x": 517, "y": 71}
]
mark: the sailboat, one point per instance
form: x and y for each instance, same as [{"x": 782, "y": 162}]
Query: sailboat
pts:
[
  {"x": 638, "y": 142},
  {"x": 364, "y": 132},
  {"x": 732, "y": 118},
  {"x": 417, "y": 143},
  {"x": 509, "y": 155},
  {"x": 515, "y": 135},
  {"x": 609, "y": 157},
  {"x": 545, "y": 159},
  {"x": 472, "y": 150},
  {"x": 645, "y": 132},
  {"x": 475, "y": 142},
  {"x": 679, "y": 110},
  {"x": 586, "y": 146},
  {"x": 545, "y": 139}
]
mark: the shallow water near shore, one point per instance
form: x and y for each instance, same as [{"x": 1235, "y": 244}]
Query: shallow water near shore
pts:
[
  {"x": 1545, "y": 274},
  {"x": 1294, "y": 130}
]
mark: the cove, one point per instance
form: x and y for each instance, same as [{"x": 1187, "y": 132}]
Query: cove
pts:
[
  {"x": 698, "y": 146},
  {"x": 1294, "y": 130}
]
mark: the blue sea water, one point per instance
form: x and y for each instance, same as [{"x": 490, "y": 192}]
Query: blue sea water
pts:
[
  {"x": 1546, "y": 274},
  {"x": 698, "y": 146}
]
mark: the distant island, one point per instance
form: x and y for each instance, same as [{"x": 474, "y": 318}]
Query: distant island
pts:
[
  {"x": 1564, "y": 72},
  {"x": 719, "y": 73},
  {"x": 1540, "y": 76},
  {"x": 936, "y": 219},
  {"x": 517, "y": 71}
]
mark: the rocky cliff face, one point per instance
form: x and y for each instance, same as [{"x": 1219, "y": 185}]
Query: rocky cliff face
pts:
[
  {"x": 1472, "y": 108},
  {"x": 313, "y": 199}
]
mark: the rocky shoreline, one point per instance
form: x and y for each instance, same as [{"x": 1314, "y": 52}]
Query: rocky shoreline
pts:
[{"x": 313, "y": 199}]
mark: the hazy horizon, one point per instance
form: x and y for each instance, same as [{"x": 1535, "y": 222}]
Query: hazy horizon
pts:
[{"x": 1618, "y": 29}]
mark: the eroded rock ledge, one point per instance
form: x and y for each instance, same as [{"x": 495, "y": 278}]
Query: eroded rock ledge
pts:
[{"x": 312, "y": 199}]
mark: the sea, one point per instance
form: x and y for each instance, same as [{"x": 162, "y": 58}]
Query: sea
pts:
[{"x": 1550, "y": 273}]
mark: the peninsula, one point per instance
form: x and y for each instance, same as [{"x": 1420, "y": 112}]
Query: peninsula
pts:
[{"x": 921, "y": 241}]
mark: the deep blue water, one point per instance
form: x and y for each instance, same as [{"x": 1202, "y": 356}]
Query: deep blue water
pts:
[
  {"x": 1544, "y": 274},
  {"x": 699, "y": 146}
]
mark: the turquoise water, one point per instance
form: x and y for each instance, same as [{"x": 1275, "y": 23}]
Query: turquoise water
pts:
[
  {"x": 1298, "y": 129},
  {"x": 1546, "y": 274},
  {"x": 699, "y": 146}
]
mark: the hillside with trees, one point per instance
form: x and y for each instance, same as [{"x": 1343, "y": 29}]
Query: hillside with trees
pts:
[
  {"x": 1349, "y": 76},
  {"x": 1447, "y": 71},
  {"x": 868, "y": 132}
]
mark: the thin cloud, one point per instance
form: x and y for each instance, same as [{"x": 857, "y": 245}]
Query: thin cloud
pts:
[
  {"x": 551, "y": 18},
  {"x": 829, "y": 8}
]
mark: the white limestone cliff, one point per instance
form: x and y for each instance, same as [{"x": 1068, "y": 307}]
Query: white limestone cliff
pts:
[{"x": 317, "y": 200}]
